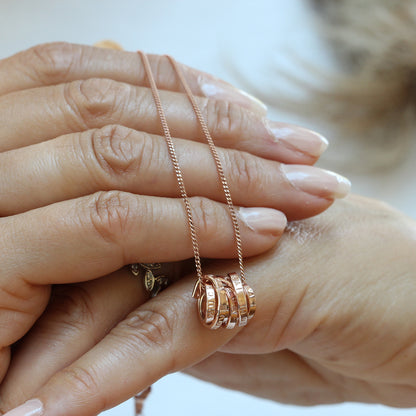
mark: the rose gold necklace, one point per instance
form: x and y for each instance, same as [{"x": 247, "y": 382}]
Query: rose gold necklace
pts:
[{"x": 226, "y": 300}]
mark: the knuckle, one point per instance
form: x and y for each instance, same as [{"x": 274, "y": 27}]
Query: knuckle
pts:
[
  {"x": 206, "y": 213},
  {"x": 80, "y": 381},
  {"x": 246, "y": 170},
  {"x": 224, "y": 118},
  {"x": 149, "y": 327},
  {"x": 110, "y": 213},
  {"x": 146, "y": 329},
  {"x": 51, "y": 62},
  {"x": 94, "y": 100},
  {"x": 119, "y": 150},
  {"x": 112, "y": 149}
]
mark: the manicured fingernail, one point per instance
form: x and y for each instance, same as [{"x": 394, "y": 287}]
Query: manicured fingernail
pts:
[
  {"x": 220, "y": 90},
  {"x": 32, "y": 407},
  {"x": 263, "y": 220},
  {"x": 317, "y": 182},
  {"x": 297, "y": 138}
]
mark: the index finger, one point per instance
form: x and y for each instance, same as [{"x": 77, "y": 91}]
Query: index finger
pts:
[
  {"x": 57, "y": 63},
  {"x": 161, "y": 336}
]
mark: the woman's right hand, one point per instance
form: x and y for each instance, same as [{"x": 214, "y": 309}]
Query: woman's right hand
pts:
[
  {"x": 87, "y": 185},
  {"x": 335, "y": 322},
  {"x": 336, "y": 316}
]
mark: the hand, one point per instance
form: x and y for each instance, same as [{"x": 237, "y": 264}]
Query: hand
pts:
[
  {"x": 336, "y": 313},
  {"x": 69, "y": 174},
  {"x": 335, "y": 322}
]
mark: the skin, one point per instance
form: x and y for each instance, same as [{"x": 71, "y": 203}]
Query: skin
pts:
[
  {"x": 335, "y": 323},
  {"x": 85, "y": 190},
  {"x": 344, "y": 331}
]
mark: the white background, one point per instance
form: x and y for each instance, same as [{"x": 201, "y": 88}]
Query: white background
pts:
[{"x": 228, "y": 38}]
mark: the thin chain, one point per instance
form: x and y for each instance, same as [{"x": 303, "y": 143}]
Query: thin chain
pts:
[
  {"x": 217, "y": 159},
  {"x": 174, "y": 158}
]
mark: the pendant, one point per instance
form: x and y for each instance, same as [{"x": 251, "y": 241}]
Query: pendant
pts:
[{"x": 224, "y": 301}]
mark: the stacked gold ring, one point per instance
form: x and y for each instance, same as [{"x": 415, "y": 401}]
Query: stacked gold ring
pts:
[{"x": 224, "y": 301}]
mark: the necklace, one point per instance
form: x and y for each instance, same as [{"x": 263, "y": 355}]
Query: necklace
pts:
[{"x": 222, "y": 300}]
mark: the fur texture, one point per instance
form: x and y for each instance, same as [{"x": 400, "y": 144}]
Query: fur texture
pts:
[
  {"x": 371, "y": 103},
  {"x": 375, "y": 100}
]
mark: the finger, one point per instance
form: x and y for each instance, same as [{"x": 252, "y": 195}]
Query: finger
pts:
[
  {"x": 162, "y": 336},
  {"x": 100, "y": 233},
  {"x": 96, "y": 235},
  {"x": 116, "y": 157},
  {"x": 78, "y": 317},
  {"x": 53, "y": 111},
  {"x": 57, "y": 63}
]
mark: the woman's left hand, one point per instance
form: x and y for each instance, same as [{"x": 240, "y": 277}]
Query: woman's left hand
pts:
[{"x": 71, "y": 116}]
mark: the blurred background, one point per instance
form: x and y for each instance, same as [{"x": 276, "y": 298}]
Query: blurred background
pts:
[{"x": 252, "y": 44}]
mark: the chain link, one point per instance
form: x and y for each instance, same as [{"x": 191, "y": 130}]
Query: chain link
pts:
[
  {"x": 218, "y": 163},
  {"x": 177, "y": 169},
  {"x": 174, "y": 158}
]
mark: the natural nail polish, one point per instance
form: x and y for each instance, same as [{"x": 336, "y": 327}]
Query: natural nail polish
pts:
[
  {"x": 297, "y": 138},
  {"x": 315, "y": 181},
  {"x": 32, "y": 407},
  {"x": 263, "y": 220}
]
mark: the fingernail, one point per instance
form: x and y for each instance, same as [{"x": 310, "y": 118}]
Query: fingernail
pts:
[
  {"x": 32, "y": 407},
  {"x": 220, "y": 90},
  {"x": 263, "y": 220},
  {"x": 108, "y": 44},
  {"x": 317, "y": 182},
  {"x": 297, "y": 138}
]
